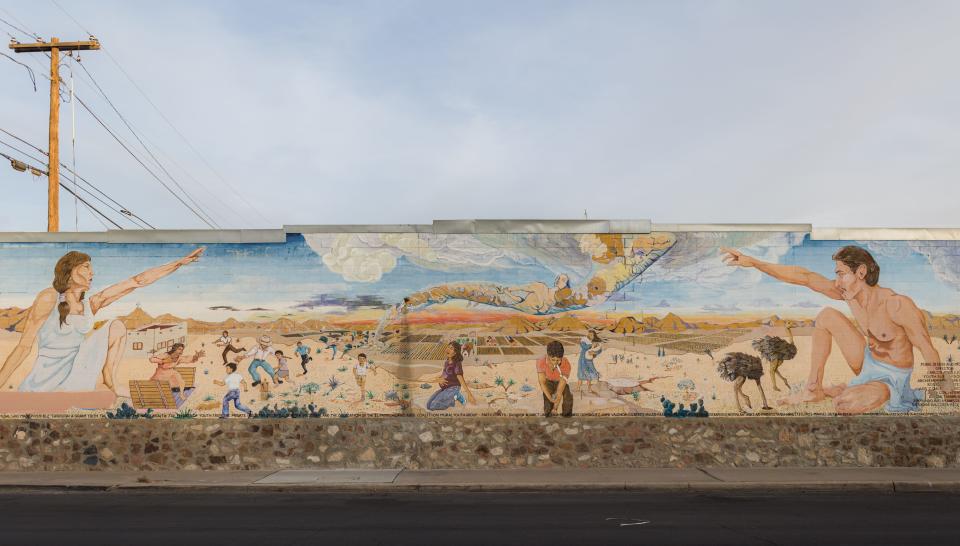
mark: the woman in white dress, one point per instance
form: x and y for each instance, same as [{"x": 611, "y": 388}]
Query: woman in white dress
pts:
[{"x": 72, "y": 356}]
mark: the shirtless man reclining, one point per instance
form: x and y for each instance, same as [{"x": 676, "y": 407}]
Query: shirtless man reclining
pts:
[{"x": 878, "y": 348}]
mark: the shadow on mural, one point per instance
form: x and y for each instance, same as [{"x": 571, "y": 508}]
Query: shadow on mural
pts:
[{"x": 685, "y": 324}]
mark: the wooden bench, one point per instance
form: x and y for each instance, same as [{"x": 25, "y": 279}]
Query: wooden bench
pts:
[
  {"x": 188, "y": 375},
  {"x": 151, "y": 393}
]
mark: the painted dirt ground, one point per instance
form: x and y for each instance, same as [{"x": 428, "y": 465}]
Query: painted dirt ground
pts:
[{"x": 501, "y": 387}]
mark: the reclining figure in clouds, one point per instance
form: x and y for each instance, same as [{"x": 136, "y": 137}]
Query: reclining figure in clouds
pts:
[{"x": 625, "y": 258}]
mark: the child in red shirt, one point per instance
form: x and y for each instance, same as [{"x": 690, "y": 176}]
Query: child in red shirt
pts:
[{"x": 552, "y": 372}]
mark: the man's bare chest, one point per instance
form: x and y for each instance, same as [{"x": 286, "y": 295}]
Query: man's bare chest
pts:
[{"x": 876, "y": 324}]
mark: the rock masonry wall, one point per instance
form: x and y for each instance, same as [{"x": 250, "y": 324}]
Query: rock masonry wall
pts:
[{"x": 495, "y": 442}]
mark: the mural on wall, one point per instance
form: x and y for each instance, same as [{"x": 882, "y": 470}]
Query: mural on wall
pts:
[{"x": 685, "y": 324}]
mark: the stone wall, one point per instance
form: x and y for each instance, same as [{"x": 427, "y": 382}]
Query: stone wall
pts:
[{"x": 476, "y": 442}]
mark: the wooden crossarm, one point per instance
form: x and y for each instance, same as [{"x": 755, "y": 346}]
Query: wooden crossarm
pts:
[{"x": 47, "y": 46}]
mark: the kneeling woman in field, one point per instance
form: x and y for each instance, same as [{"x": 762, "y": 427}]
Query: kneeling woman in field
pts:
[{"x": 451, "y": 382}]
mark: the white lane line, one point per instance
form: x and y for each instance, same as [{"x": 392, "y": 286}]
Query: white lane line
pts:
[{"x": 635, "y": 521}]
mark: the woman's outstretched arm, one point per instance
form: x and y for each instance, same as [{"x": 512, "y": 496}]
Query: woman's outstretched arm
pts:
[{"x": 112, "y": 293}]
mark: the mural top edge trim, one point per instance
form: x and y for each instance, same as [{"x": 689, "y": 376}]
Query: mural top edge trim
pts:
[{"x": 476, "y": 227}]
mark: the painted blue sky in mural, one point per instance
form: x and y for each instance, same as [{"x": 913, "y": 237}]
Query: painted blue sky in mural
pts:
[{"x": 301, "y": 277}]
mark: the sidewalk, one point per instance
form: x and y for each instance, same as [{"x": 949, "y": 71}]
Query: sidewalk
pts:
[{"x": 383, "y": 481}]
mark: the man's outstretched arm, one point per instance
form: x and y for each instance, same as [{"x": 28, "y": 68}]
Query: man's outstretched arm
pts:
[{"x": 792, "y": 274}]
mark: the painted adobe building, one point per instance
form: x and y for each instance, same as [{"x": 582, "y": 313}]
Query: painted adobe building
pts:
[{"x": 155, "y": 337}]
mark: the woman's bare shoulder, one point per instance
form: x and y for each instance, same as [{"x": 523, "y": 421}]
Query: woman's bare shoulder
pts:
[{"x": 47, "y": 296}]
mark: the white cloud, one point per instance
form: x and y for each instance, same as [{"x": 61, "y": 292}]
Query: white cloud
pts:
[
  {"x": 696, "y": 257},
  {"x": 591, "y": 245},
  {"x": 366, "y": 257},
  {"x": 943, "y": 256},
  {"x": 945, "y": 260}
]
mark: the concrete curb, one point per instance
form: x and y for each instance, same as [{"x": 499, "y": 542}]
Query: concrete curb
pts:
[
  {"x": 707, "y": 487},
  {"x": 399, "y": 480}
]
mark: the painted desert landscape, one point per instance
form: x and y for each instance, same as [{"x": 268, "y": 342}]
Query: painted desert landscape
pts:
[{"x": 642, "y": 359}]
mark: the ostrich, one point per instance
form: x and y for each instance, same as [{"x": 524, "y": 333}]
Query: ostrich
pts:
[
  {"x": 776, "y": 350},
  {"x": 738, "y": 367}
]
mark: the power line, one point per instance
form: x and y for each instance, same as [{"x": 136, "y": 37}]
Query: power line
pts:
[
  {"x": 41, "y": 171},
  {"x": 211, "y": 223},
  {"x": 140, "y": 161},
  {"x": 15, "y": 27},
  {"x": 199, "y": 211},
  {"x": 142, "y": 144},
  {"x": 145, "y": 140},
  {"x": 33, "y": 77},
  {"x": 135, "y": 134},
  {"x": 135, "y": 219},
  {"x": 89, "y": 110},
  {"x": 123, "y": 211},
  {"x": 29, "y": 32},
  {"x": 73, "y": 145},
  {"x": 97, "y": 218},
  {"x": 89, "y": 206},
  {"x": 38, "y": 171},
  {"x": 65, "y": 187},
  {"x": 37, "y": 148},
  {"x": 165, "y": 118}
]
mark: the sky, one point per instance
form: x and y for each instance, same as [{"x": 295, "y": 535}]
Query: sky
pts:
[{"x": 838, "y": 114}]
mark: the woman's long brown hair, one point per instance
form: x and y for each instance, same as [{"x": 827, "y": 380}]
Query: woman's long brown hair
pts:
[
  {"x": 61, "y": 278},
  {"x": 457, "y": 353}
]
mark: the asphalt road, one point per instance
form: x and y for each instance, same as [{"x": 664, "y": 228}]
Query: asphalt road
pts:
[{"x": 459, "y": 519}]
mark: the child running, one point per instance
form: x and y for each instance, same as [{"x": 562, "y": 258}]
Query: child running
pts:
[
  {"x": 304, "y": 352},
  {"x": 360, "y": 371},
  {"x": 233, "y": 382},
  {"x": 282, "y": 371}
]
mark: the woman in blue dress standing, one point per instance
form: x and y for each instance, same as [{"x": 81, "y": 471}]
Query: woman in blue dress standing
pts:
[{"x": 590, "y": 347}]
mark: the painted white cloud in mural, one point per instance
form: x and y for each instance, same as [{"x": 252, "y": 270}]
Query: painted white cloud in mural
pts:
[
  {"x": 359, "y": 263},
  {"x": 696, "y": 257},
  {"x": 362, "y": 257},
  {"x": 945, "y": 261},
  {"x": 368, "y": 257},
  {"x": 592, "y": 245},
  {"x": 944, "y": 256}
]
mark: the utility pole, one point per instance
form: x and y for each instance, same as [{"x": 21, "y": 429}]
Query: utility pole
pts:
[{"x": 54, "y": 47}]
